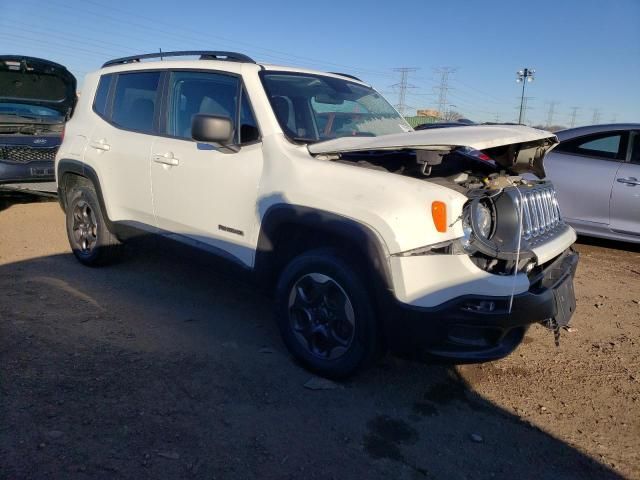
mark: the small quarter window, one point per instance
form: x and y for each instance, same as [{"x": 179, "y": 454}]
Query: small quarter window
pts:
[
  {"x": 102, "y": 94},
  {"x": 635, "y": 152},
  {"x": 248, "y": 126}
]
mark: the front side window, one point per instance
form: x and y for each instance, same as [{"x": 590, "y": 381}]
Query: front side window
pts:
[
  {"x": 610, "y": 146},
  {"x": 312, "y": 108},
  {"x": 135, "y": 101},
  {"x": 199, "y": 92}
]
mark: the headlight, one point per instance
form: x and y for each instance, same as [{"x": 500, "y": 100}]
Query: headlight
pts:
[
  {"x": 483, "y": 219},
  {"x": 477, "y": 221}
]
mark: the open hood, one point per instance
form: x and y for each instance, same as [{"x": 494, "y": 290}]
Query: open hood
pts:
[
  {"x": 515, "y": 147},
  {"x": 35, "y": 81}
]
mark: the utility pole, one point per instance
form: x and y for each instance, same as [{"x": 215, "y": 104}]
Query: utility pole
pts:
[
  {"x": 524, "y": 107},
  {"x": 596, "y": 116},
  {"x": 443, "y": 89},
  {"x": 525, "y": 76},
  {"x": 402, "y": 86},
  {"x": 550, "y": 112},
  {"x": 574, "y": 113}
]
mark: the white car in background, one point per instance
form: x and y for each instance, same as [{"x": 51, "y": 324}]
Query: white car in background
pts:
[{"x": 596, "y": 172}]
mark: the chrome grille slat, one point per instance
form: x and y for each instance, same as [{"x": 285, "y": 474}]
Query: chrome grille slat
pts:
[{"x": 540, "y": 211}]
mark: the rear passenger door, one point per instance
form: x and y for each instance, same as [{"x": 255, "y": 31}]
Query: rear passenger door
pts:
[
  {"x": 203, "y": 194},
  {"x": 120, "y": 144},
  {"x": 583, "y": 171}
]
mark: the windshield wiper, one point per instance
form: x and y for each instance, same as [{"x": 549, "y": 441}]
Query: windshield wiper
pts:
[{"x": 304, "y": 140}]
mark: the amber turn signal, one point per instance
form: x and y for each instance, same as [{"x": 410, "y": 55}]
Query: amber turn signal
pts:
[{"x": 439, "y": 214}]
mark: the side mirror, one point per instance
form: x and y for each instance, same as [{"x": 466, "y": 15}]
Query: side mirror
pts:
[{"x": 213, "y": 129}]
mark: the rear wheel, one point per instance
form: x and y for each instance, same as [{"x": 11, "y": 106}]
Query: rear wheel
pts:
[
  {"x": 325, "y": 314},
  {"x": 89, "y": 237}
]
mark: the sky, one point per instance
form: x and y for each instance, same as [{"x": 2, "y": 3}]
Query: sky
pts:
[{"x": 586, "y": 53}]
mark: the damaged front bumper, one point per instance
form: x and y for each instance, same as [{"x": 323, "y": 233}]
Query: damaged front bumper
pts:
[{"x": 478, "y": 328}]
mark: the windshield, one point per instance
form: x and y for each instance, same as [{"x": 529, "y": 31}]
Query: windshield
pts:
[
  {"x": 26, "y": 110},
  {"x": 312, "y": 108}
]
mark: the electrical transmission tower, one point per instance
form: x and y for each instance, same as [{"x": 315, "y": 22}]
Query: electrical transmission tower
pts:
[
  {"x": 443, "y": 89},
  {"x": 496, "y": 117},
  {"x": 402, "y": 87},
  {"x": 574, "y": 114},
  {"x": 597, "y": 112},
  {"x": 550, "y": 112},
  {"x": 614, "y": 118}
]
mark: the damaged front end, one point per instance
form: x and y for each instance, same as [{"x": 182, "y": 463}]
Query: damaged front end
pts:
[{"x": 511, "y": 224}]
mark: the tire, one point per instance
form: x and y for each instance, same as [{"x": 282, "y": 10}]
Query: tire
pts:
[
  {"x": 89, "y": 237},
  {"x": 326, "y": 314}
]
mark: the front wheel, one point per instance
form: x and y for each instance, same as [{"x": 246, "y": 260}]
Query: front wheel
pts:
[
  {"x": 325, "y": 314},
  {"x": 89, "y": 237}
]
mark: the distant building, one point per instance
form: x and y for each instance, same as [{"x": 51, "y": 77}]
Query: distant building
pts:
[{"x": 427, "y": 112}]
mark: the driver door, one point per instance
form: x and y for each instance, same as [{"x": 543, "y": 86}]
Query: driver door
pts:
[
  {"x": 203, "y": 194},
  {"x": 625, "y": 196}
]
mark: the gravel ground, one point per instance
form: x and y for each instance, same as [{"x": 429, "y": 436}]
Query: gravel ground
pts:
[{"x": 166, "y": 367}]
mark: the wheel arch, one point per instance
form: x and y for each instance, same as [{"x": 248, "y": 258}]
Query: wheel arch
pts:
[
  {"x": 73, "y": 172},
  {"x": 287, "y": 230}
]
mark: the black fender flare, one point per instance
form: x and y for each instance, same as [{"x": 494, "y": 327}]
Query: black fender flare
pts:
[
  {"x": 81, "y": 169},
  {"x": 337, "y": 225}
]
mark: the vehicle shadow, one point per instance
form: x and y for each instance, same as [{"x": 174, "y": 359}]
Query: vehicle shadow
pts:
[
  {"x": 610, "y": 244},
  {"x": 13, "y": 197},
  {"x": 168, "y": 365}
]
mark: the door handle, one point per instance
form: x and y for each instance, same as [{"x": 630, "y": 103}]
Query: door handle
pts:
[
  {"x": 166, "y": 159},
  {"x": 101, "y": 145},
  {"x": 631, "y": 181}
]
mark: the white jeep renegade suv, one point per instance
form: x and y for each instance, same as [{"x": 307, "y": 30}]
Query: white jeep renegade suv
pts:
[{"x": 370, "y": 235}]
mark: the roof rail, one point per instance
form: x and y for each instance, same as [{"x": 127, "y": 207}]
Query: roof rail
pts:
[
  {"x": 204, "y": 55},
  {"x": 346, "y": 75}
]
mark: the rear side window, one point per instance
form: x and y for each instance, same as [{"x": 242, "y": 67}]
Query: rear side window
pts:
[
  {"x": 135, "y": 101},
  {"x": 199, "y": 92},
  {"x": 611, "y": 146},
  {"x": 102, "y": 94}
]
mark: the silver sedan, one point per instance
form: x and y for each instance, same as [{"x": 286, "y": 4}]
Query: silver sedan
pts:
[{"x": 596, "y": 172}]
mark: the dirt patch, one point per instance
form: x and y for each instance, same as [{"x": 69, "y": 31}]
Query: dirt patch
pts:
[{"x": 160, "y": 367}]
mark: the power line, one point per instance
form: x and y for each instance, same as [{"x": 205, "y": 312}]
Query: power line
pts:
[
  {"x": 402, "y": 87},
  {"x": 157, "y": 27}
]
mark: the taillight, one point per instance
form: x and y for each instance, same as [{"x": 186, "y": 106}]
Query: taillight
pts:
[
  {"x": 439, "y": 215},
  {"x": 480, "y": 156}
]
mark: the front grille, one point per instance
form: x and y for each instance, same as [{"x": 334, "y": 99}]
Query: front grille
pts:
[
  {"x": 540, "y": 211},
  {"x": 24, "y": 154}
]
